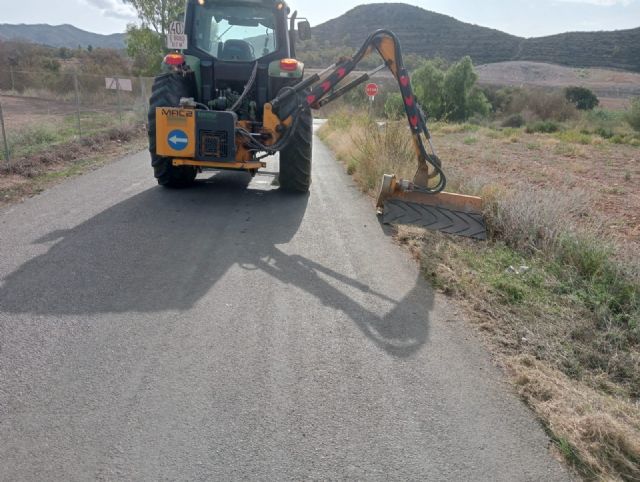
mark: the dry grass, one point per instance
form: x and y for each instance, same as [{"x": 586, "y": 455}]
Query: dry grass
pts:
[
  {"x": 383, "y": 148},
  {"x": 568, "y": 325},
  {"x": 30, "y": 174},
  {"x": 600, "y": 434},
  {"x": 530, "y": 221},
  {"x": 42, "y": 160}
]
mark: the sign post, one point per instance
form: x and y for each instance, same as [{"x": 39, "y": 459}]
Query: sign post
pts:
[{"x": 371, "y": 90}]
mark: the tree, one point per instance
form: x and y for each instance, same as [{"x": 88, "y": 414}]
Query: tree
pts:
[
  {"x": 64, "y": 53},
  {"x": 477, "y": 103},
  {"x": 157, "y": 15},
  {"x": 146, "y": 48},
  {"x": 428, "y": 82},
  {"x": 145, "y": 43},
  {"x": 450, "y": 93},
  {"x": 582, "y": 98},
  {"x": 462, "y": 99}
]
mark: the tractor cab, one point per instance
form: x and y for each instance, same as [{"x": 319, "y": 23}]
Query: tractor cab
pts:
[
  {"x": 239, "y": 33},
  {"x": 233, "y": 42}
]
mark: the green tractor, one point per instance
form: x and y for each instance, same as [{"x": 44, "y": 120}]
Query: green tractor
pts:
[
  {"x": 207, "y": 107},
  {"x": 237, "y": 94}
]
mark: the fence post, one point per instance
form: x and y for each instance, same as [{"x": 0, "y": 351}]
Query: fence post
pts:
[
  {"x": 118, "y": 100},
  {"x": 75, "y": 86},
  {"x": 4, "y": 137},
  {"x": 143, "y": 93},
  {"x": 13, "y": 83}
]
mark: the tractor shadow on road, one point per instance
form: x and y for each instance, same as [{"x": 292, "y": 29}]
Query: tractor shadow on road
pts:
[{"x": 163, "y": 250}]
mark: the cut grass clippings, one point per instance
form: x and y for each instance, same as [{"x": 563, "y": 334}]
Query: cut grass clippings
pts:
[{"x": 556, "y": 302}]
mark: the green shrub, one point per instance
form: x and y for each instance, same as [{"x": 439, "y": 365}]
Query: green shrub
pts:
[
  {"x": 603, "y": 118},
  {"x": 514, "y": 120},
  {"x": 352, "y": 166},
  {"x": 498, "y": 97},
  {"x": 574, "y": 137},
  {"x": 604, "y": 132},
  {"x": 539, "y": 104},
  {"x": 582, "y": 98},
  {"x": 543, "y": 127},
  {"x": 587, "y": 263},
  {"x": 633, "y": 114},
  {"x": 394, "y": 106}
]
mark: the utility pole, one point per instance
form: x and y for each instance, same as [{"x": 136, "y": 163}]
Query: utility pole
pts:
[{"x": 143, "y": 93}]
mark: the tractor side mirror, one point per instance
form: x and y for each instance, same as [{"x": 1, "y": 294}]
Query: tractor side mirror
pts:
[{"x": 304, "y": 30}]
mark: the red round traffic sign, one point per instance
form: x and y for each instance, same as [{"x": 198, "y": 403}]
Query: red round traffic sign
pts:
[{"x": 371, "y": 89}]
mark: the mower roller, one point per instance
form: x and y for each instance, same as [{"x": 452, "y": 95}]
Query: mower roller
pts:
[{"x": 237, "y": 94}]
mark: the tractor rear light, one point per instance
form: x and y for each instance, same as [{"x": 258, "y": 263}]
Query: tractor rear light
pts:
[
  {"x": 290, "y": 65},
  {"x": 174, "y": 59}
]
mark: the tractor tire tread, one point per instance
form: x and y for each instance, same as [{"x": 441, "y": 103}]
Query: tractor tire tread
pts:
[
  {"x": 434, "y": 218},
  {"x": 295, "y": 158}
]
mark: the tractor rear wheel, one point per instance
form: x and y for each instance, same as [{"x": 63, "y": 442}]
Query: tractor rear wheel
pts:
[
  {"x": 295, "y": 158},
  {"x": 167, "y": 91}
]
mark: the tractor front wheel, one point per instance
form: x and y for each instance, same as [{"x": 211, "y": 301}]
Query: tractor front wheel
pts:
[{"x": 167, "y": 91}]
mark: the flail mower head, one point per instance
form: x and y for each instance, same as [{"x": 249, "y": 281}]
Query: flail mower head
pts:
[{"x": 403, "y": 202}]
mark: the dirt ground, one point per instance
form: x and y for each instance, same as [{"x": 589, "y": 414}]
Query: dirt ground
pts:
[
  {"x": 608, "y": 173},
  {"x": 20, "y": 112},
  {"x": 614, "y": 88}
]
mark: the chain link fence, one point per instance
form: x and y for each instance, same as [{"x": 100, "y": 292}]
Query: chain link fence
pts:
[{"x": 41, "y": 109}]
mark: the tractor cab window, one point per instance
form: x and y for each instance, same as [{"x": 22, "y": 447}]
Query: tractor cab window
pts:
[{"x": 238, "y": 33}]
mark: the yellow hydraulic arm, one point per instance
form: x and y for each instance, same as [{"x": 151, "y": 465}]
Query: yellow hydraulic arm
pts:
[{"x": 421, "y": 201}]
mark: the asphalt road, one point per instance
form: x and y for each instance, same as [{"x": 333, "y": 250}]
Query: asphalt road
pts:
[{"x": 232, "y": 332}]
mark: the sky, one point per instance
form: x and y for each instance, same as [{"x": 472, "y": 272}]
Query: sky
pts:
[{"x": 526, "y": 18}]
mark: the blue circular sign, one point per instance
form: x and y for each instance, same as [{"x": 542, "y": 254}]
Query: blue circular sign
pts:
[{"x": 178, "y": 140}]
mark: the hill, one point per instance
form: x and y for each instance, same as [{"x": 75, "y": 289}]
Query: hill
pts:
[
  {"x": 420, "y": 31},
  {"x": 422, "y": 34},
  {"x": 430, "y": 34},
  {"x": 614, "y": 88},
  {"x": 619, "y": 49},
  {"x": 60, "y": 36}
]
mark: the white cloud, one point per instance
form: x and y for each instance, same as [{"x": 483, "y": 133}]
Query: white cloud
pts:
[{"x": 114, "y": 9}]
